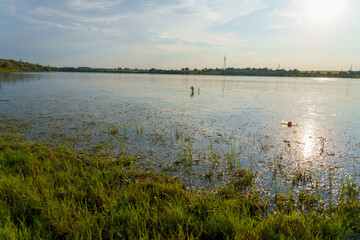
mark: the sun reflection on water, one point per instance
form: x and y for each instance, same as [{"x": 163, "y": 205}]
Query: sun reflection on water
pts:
[{"x": 308, "y": 142}]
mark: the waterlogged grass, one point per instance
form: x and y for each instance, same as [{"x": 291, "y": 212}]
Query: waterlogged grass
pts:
[{"x": 52, "y": 192}]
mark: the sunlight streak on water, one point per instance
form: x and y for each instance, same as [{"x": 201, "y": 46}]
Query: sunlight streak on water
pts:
[
  {"x": 308, "y": 141},
  {"x": 324, "y": 79}
]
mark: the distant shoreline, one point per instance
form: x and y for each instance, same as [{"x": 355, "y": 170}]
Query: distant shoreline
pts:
[
  {"x": 246, "y": 72},
  {"x": 19, "y": 66}
]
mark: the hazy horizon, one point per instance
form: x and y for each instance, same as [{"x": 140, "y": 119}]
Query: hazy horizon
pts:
[{"x": 295, "y": 34}]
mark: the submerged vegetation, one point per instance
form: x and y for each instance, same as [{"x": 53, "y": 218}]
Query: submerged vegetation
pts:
[
  {"x": 53, "y": 192},
  {"x": 20, "y": 66}
]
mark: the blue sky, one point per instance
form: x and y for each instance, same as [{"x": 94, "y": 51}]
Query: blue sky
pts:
[{"x": 302, "y": 34}]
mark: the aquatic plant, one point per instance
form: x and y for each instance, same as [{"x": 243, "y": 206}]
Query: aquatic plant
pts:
[
  {"x": 275, "y": 177},
  {"x": 124, "y": 127},
  {"x": 301, "y": 176},
  {"x": 331, "y": 175},
  {"x": 189, "y": 149},
  {"x": 121, "y": 145},
  {"x": 349, "y": 190},
  {"x": 264, "y": 146},
  {"x": 184, "y": 154},
  {"x": 192, "y": 89},
  {"x": 59, "y": 193},
  {"x": 187, "y": 155},
  {"x": 212, "y": 155},
  {"x": 137, "y": 129},
  {"x": 231, "y": 158},
  {"x": 113, "y": 131}
]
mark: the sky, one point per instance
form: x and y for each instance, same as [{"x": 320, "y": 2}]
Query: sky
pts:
[{"x": 173, "y": 34}]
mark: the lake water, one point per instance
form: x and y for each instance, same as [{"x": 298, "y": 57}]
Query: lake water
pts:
[{"x": 201, "y": 137}]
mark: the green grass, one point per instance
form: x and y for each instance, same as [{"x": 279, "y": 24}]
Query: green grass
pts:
[
  {"x": 53, "y": 192},
  {"x": 9, "y": 65}
]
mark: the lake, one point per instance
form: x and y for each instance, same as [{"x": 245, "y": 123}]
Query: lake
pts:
[{"x": 202, "y": 136}]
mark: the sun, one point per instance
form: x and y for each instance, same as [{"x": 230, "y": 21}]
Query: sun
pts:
[{"x": 324, "y": 10}]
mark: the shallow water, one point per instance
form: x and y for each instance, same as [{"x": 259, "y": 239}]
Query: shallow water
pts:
[{"x": 204, "y": 136}]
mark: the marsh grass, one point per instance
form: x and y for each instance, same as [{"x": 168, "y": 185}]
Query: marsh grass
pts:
[
  {"x": 231, "y": 158},
  {"x": 113, "y": 130},
  {"x": 212, "y": 155},
  {"x": 302, "y": 176},
  {"x": 54, "y": 192},
  {"x": 188, "y": 155},
  {"x": 139, "y": 127}
]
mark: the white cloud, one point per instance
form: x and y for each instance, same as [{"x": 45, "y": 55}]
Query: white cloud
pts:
[
  {"x": 159, "y": 28},
  {"x": 113, "y": 31},
  {"x": 204, "y": 40},
  {"x": 292, "y": 9},
  {"x": 222, "y": 10},
  {"x": 44, "y": 11},
  {"x": 93, "y": 29},
  {"x": 276, "y": 26},
  {"x": 174, "y": 48},
  {"x": 42, "y": 23},
  {"x": 78, "y": 25},
  {"x": 86, "y": 4},
  {"x": 219, "y": 11},
  {"x": 247, "y": 54}
]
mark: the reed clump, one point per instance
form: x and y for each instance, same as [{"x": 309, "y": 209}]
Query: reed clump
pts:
[{"x": 53, "y": 192}]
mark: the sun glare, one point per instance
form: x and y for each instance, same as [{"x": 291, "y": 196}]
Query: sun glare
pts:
[
  {"x": 324, "y": 10},
  {"x": 309, "y": 143}
]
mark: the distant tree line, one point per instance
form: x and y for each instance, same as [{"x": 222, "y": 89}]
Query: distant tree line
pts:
[
  {"x": 8, "y": 65},
  {"x": 219, "y": 71},
  {"x": 20, "y": 66}
]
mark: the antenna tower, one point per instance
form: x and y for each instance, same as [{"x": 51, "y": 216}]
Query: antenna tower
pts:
[
  {"x": 224, "y": 67},
  {"x": 351, "y": 67}
]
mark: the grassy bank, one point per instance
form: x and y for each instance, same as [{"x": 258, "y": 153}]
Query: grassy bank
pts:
[
  {"x": 9, "y": 65},
  {"x": 53, "y": 192}
]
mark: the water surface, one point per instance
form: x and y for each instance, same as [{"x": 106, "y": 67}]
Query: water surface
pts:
[{"x": 226, "y": 123}]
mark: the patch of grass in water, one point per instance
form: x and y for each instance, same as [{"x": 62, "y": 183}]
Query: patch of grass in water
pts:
[
  {"x": 58, "y": 194},
  {"x": 113, "y": 131},
  {"x": 231, "y": 157},
  {"x": 301, "y": 176}
]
